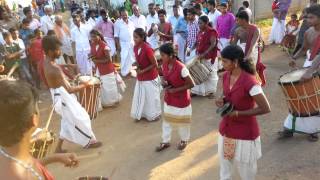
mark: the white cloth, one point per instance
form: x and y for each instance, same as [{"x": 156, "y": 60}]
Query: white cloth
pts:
[
  {"x": 307, "y": 62},
  {"x": 153, "y": 40},
  {"x": 111, "y": 44},
  {"x": 192, "y": 55},
  {"x": 246, "y": 155},
  {"x": 47, "y": 23},
  {"x": 66, "y": 47},
  {"x": 181, "y": 43},
  {"x": 213, "y": 17},
  {"x": 209, "y": 86},
  {"x": 84, "y": 64},
  {"x": 80, "y": 35},
  {"x": 110, "y": 93},
  {"x": 75, "y": 121},
  {"x": 223, "y": 42},
  {"x": 307, "y": 125},
  {"x": 91, "y": 23},
  {"x": 34, "y": 24},
  {"x": 254, "y": 54},
  {"x": 139, "y": 22},
  {"x": 291, "y": 29},
  {"x": 124, "y": 31},
  {"x": 184, "y": 131},
  {"x": 127, "y": 57},
  {"x": 277, "y": 31},
  {"x": 146, "y": 101}
]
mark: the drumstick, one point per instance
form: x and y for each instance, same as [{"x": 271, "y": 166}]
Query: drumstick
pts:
[
  {"x": 49, "y": 119},
  {"x": 13, "y": 68},
  {"x": 89, "y": 155}
]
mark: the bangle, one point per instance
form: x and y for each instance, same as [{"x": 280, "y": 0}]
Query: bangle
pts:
[{"x": 237, "y": 113}]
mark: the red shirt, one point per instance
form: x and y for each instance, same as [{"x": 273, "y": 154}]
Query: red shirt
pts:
[
  {"x": 98, "y": 51},
  {"x": 241, "y": 127},
  {"x": 179, "y": 99},
  {"x": 144, "y": 53},
  {"x": 36, "y": 52},
  {"x": 167, "y": 28},
  {"x": 203, "y": 43}
]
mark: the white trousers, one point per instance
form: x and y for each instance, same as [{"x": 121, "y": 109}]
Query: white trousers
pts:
[
  {"x": 127, "y": 57},
  {"x": 84, "y": 64},
  {"x": 223, "y": 42},
  {"x": 277, "y": 31},
  {"x": 111, "y": 44},
  {"x": 183, "y": 129},
  {"x": 181, "y": 43},
  {"x": 109, "y": 90}
]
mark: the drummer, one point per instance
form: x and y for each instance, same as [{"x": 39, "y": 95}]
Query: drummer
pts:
[
  {"x": 307, "y": 125},
  {"x": 146, "y": 97},
  {"x": 239, "y": 140},
  {"x": 19, "y": 119},
  {"x": 101, "y": 56},
  {"x": 75, "y": 122},
  {"x": 177, "y": 100},
  {"x": 206, "y": 48}
]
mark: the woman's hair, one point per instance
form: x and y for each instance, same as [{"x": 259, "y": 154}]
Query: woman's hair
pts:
[
  {"x": 97, "y": 33},
  {"x": 51, "y": 33},
  {"x": 50, "y": 43},
  {"x": 36, "y": 31},
  {"x": 204, "y": 19},
  {"x": 167, "y": 49},
  {"x": 141, "y": 33},
  {"x": 235, "y": 52}
]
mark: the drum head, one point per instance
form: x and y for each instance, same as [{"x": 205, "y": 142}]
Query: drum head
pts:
[
  {"x": 93, "y": 79},
  {"x": 293, "y": 76}
]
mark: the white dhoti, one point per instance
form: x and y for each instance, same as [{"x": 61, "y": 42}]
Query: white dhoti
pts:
[
  {"x": 84, "y": 64},
  {"x": 246, "y": 155},
  {"x": 127, "y": 57},
  {"x": 111, "y": 44},
  {"x": 254, "y": 54},
  {"x": 66, "y": 47},
  {"x": 110, "y": 93},
  {"x": 223, "y": 42},
  {"x": 175, "y": 117},
  {"x": 181, "y": 43},
  {"x": 75, "y": 121},
  {"x": 146, "y": 101},
  {"x": 308, "y": 125},
  {"x": 209, "y": 86},
  {"x": 307, "y": 62},
  {"x": 191, "y": 56},
  {"x": 277, "y": 31}
]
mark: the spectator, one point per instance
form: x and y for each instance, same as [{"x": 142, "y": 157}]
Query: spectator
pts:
[
  {"x": 47, "y": 21},
  {"x": 246, "y": 5},
  {"x": 173, "y": 20},
  {"x": 213, "y": 13},
  {"x": 198, "y": 8},
  {"x": 25, "y": 31},
  {"x": 8, "y": 22},
  {"x": 165, "y": 28},
  {"x": 291, "y": 32},
  {"x": 225, "y": 22},
  {"x": 152, "y": 21},
  {"x": 34, "y": 23},
  {"x": 193, "y": 30},
  {"x": 181, "y": 34},
  {"x": 138, "y": 19}
]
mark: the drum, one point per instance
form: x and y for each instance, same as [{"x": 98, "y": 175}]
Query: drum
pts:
[
  {"x": 198, "y": 71},
  {"x": 93, "y": 178},
  {"x": 89, "y": 97},
  {"x": 302, "y": 97},
  {"x": 42, "y": 143}
]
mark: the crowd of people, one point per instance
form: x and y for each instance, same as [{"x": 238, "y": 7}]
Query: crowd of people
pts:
[{"x": 42, "y": 51}]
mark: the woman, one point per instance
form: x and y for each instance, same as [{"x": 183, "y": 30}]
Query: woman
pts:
[
  {"x": 100, "y": 55},
  {"x": 177, "y": 100},
  {"x": 206, "y": 49},
  {"x": 146, "y": 98},
  {"x": 239, "y": 139}
]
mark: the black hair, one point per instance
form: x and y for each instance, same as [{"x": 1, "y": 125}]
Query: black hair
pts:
[
  {"x": 13, "y": 29},
  {"x": 36, "y": 31},
  {"x": 192, "y": 11},
  {"x": 315, "y": 10},
  {"x": 103, "y": 11},
  {"x": 212, "y": 3},
  {"x": 157, "y": 4},
  {"x": 235, "y": 52},
  {"x": 5, "y": 35},
  {"x": 18, "y": 103},
  {"x": 174, "y": 6},
  {"x": 246, "y": 4},
  {"x": 151, "y": 4},
  {"x": 162, "y": 11},
  {"x": 141, "y": 33},
  {"x": 26, "y": 10},
  {"x": 198, "y": 6},
  {"x": 97, "y": 33},
  {"x": 241, "y": 9},
  {"x": 122, "y": 9},
  {"x": 25, "y": 21},
  {"x": 204, "y": 19},
  {"x": 185, "y": 12},
  {"x": 243, "y": 15},
  {"x": 50, "y": 43},
  {"x": 51, "y": 33},
  {"x": 224, "y": 5},
  {"x": 168, "y": 49}
]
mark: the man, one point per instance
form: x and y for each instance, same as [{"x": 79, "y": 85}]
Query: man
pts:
[
  {"x": 164, "y": 28},
  {"x": 34, "y": 23},
  {"x": 105, "y": 27},
  {"x": 181, "y": 34},
  {"x": 8, "y": 21},
  {"x": 198, "y": 8},
  {"x": 123, "y": 34},
  {"x": 19, "y": 119},
  {"x": 25, "y": 32},
  {"x": 137, "y": 18},
  {"x": 178, "y": 4},
  {"x": 246, "y": 5},
  {"x": 75, "y": 122},
  {"x": 152, "y": 21},
  {"x": 225, "y": 22},
  {"x": 157, "y": 8},
  {"x": 47, "y": 21},
  {"x": 173, "y": 20},
  {"x": 81, "y": 46},
  {"x": 63, "y": 33},
  {"x": 307, "y": 125},
  {"x": 193, "y": 30},
  {"x": 213, "y": 13}
]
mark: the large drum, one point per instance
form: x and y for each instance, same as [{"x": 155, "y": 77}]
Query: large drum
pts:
[
  {"x": 41, "y": 143},
  {"x": 198, "y": 71},
  {"x": 89, "y": 97},
  {"x": 303, "y": 98}
]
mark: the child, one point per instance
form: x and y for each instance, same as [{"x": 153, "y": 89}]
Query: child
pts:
[{"x": 291, "y": 32}]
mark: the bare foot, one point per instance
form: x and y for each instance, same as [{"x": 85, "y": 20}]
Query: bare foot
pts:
[{"x": 94, "y": 145}]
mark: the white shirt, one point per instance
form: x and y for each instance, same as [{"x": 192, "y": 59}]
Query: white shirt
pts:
[
  {"x": 152, "y": 40},
  {"x": 47, "y": 23},
  {"x": 213, "y": 18},
  {"x": 173, "y": 21},
  {"x": 124, "y": 31},
  {"x": 139, "y": 22},
  {"x": 249, "y": 12},
  {"x": 34, "y": 24},
  {"x": 22, "y": 47},
  {"x": 81, "y": 37}
]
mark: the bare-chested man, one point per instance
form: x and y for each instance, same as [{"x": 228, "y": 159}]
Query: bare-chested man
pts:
[
  {"x": 75, "y": 123},
  {"x": 307, "y": 125}
]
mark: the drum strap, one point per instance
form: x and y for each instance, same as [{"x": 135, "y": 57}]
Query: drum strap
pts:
[{"x": 294, "y": 118}]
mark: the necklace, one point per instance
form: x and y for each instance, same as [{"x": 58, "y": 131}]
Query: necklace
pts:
[{"x": 27, "y": 167}]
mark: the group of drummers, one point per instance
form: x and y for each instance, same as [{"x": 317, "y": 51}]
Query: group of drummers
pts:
[{"x": 161, "y": 70}]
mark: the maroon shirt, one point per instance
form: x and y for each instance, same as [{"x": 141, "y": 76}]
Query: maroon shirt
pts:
[
  {"x": 99, "y": 53},
  {"x": 180, "y": 99},
  {"x": 241, "y": 127},
  {"x": 143, "y": 57},
  {"x": 203, "y": 43}
]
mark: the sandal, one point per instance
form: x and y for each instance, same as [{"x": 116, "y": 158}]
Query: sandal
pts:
[
  {"x": 285, "y": 134},
  {"x": 162, "y": 147},
  {"x": 313, "y": 137},
  {"x": 182, "y": 145}
]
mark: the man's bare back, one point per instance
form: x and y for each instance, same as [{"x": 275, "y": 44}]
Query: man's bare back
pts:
[
  {"x": 242, "y": 34},
  {"x": 54, "y": 74}
]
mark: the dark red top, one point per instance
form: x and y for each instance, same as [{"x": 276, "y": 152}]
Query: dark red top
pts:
[
  {"x": 203, "y": 43},
  {"x": 144, "y": 53},
  {"x": 241, "y": 127},
  {"x": 99, "y": 53},
  {"x": 167, "y": 28},
  {"x": 36, "y": 52},
  {"x": 173, "y": 77}
]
